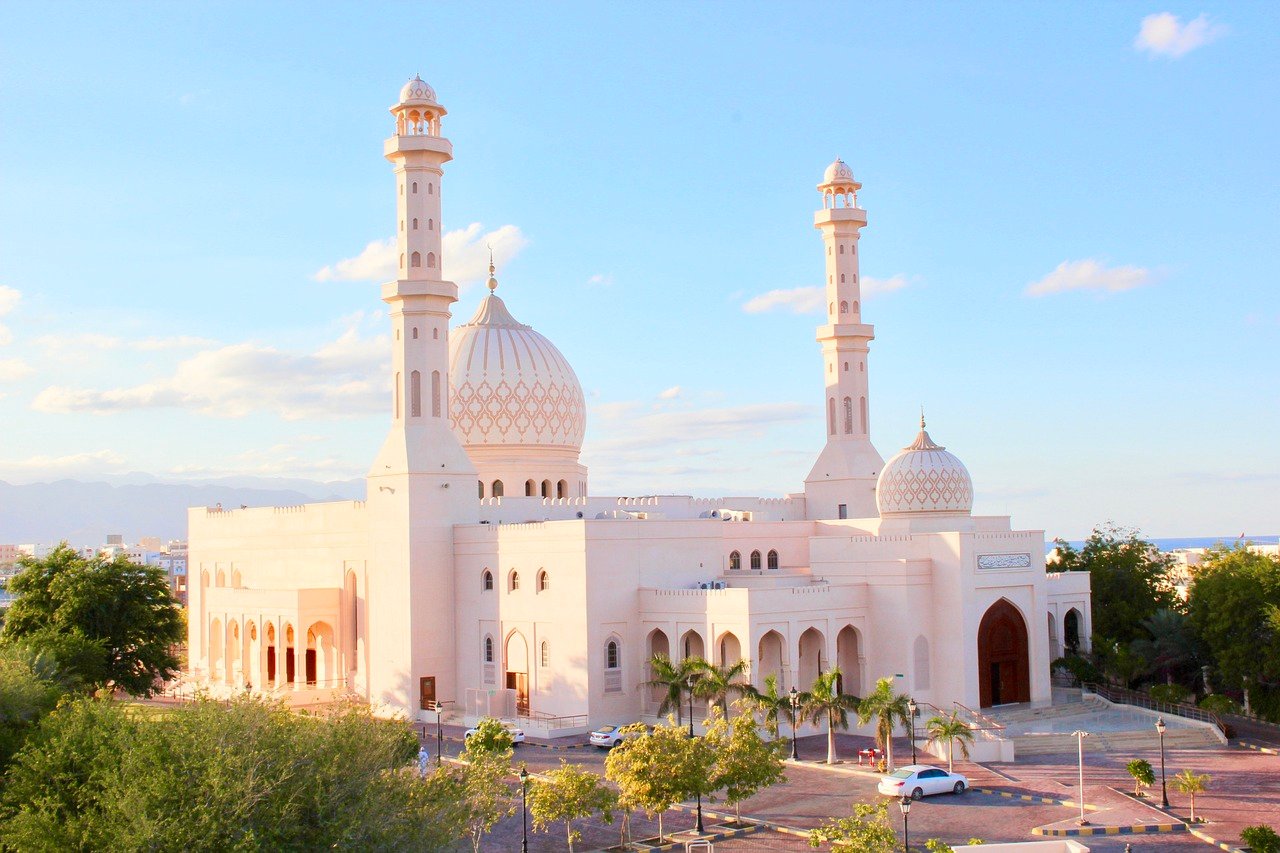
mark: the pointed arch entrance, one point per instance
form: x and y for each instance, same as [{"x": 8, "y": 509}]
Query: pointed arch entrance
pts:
[
  {"x": 517, "y": 658},
  {"x": 1004, "y": 659}
]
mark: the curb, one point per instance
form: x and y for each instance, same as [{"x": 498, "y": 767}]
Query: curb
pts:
[
  {"x": 1211, "y": 840},
  {"x": 1132, "y": 829},
  {"x": 1029, "y": 798},
  {"x": 712, "y": 835},
  {"x": 1200, "y": 834},
  {"x": 1257, "y": 747}
]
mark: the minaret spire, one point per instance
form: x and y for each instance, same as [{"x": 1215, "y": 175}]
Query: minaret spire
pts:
[{"x": 843, "y": 480}]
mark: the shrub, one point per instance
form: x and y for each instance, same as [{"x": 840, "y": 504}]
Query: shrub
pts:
[
  {"x": 1080, "y": 668},
  {"x": 1261, "y": 839},
  {"x": 1172, "y": 693},
  {"x": 1219, "y": 704}
]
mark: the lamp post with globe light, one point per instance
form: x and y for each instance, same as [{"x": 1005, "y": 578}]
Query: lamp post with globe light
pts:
[
  {"x": 1164, "y": 785},
  {"x": 795, "y": 705},
  {"x": 905, "y": 805},
  {"x": 524, "y": 810},
  {"x": 911, "y": 721},
  {"x": 1080, "y": 736}
]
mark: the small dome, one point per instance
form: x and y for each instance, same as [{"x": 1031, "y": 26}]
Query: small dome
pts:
[
  {"x": 510, "y": 385},
  {"x": 924, "y": 477},
  {"x": 838, "y": 173},
  {"x": 417, "y": 90}
]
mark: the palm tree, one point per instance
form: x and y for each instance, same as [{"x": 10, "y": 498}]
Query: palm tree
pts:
[
  {"x": 950, "y": 729},
  {"x": 825, "y": 700},
  {"x": 887, "y": 710},
  {"x": 675, "y": 679},
  {"x": 1191, "y": 784},
  {"x": 716, "y": 683},
  {"x": 770, "y": 704}
]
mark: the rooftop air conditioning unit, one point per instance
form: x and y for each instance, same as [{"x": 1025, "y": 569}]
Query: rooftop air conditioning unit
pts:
[
  {"x": 718, "y": 584},
  {"x": 704, "y": 586}
]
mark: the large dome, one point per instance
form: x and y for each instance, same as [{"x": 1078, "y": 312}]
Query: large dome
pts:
[
  {"x": 924, "y": 477},
  {"x": 510, "y": 386}
]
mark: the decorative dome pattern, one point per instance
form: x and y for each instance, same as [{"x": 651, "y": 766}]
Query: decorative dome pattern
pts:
[
  {"x": 510, "y": 385},
  {"x": 924, "y": 477},
  {"x": 838, "y": 173},
  {"x": 417, "y": 90}
]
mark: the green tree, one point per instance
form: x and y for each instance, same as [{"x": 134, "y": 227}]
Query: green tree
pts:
[
  {"x": 97, "y": 775},
  {"x": 717, "y": 683},
  {"x": 1168, "y": 647},
  {"x": 745, "y": 762},
  {"x": 488, "y": 797},
  {"x": 676, "y": 679},
  {"x": 770, "y": 705},
  {"x": 1261, "y": 839},
  {"x": 1228, "y": 603},
  {"x": 125, "y": 609},
  {"x": 888, "y": 710},
  {"x": 658, "y": 769},
  {"x": 1129, "y": 579},
  {"x": 30, "y": 686},
  {"x": 1191, "y": 784},
  {"x": 950, "y": 729},
  {"x": 825, "y": 703},
  {"x": 491, "y": 739},
  {"x": 569, "y": 793},
  {"x": 867, "y": 830},
  {"x": 1144, "y": 776}
]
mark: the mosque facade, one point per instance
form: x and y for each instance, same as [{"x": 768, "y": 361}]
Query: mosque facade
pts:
[{"x": 481, "y": 571}]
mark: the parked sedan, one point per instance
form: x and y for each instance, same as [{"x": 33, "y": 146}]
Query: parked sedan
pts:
[
  {"x": 920, "y": 780},
  {"x": 517, "y": 734},
  {"x": 607, "y": 737}
]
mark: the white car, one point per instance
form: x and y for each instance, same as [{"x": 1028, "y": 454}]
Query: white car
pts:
[
  {"x": 517, "y": 734},
  {"x": 920, "y": 780},
  {"x": 607, "y": 737}
]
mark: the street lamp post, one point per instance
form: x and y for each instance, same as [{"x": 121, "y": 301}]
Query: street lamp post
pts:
[
  {"x": 795, "y": 704},
  {"x": 911, "y": 713},
  {"x": 1164, "y": 785},
  {"x": 905, "y": 805},
  {"x": 699, "y": 826},
  {"x": 1080, "y": 736},
  {"x": 439, "y": 733},
  {"x": 524, "y": 810}
]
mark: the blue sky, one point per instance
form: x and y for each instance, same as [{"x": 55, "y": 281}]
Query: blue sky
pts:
[{"x": 1073, "y": 216}]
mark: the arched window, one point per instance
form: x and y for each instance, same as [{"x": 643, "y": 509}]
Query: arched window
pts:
[
  {"x": 416, "y": 259},
  {"x": 544, "y": 581},
  {"x": 415, "y": 228},
  {"x": 398, "y": 399},
  {"x": 435, "y": 334},
  {"x": 415, "y": 394},
  {"x": 435, "y": 393},
  {"x": 544, "y": 654},
  {"x": 862, "y": 405},
  {"x": 831, "y": 307},
  {"x": 480, "y": 485},
  {"x": 488, "y": 581},
  {"x": 831, "y": 416},
  {"x": 530, "y": 488},
  {"x": 755, "y": 561},
  {"x": 841, "y": 274},
  {"x": 546, "y": 488},
  {"x": 402, "y": 260},
  {"x": 401, "y": 224},
  {"x": 415, "y": 333},
  {"x": 488, "y": 649},
  {"x": 844, "y": 306},
  {"x": 735, "y": 561},
  {"x": 848, "y": 415},
  {"x": 496, "y": 491},
  {"x": 415, "y": 186},
  {"x": 855, "y": 306},
  {"x": 431, "y": 189},
  {"x": 842, "y": 248},
  {"x": 431, "y": 225},
  {"x": 513, "y": 582},
  {"x": 562, "y": 489},
  {"x": 612, "y": 658},
  {"x": 773, "y": 560},
  {"x": 846, "y": 367},
  {"x": 431, "y": 260}
]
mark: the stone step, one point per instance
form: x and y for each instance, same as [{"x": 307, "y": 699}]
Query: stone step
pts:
[{"x": 1052, "y": 744}]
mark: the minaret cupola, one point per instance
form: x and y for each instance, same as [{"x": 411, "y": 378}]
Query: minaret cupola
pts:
[{"x": 838, "y": 187}]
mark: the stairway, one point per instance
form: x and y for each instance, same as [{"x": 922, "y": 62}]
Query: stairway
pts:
[{"x": 1193, "y": 737}]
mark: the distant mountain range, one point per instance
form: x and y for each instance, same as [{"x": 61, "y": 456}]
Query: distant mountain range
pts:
[{"x": 137, "y": 505}]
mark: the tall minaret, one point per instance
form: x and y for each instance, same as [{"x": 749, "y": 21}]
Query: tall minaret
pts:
[
  {"x": 843, "y": 480},
  {"x": 422, "y": 482}
]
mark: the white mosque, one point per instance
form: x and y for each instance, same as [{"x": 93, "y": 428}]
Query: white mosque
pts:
[{"x": 483, "y": 572}]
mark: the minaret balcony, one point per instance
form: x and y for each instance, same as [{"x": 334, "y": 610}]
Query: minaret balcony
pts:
[
  {"x": 434, "y": 144},
  {"x": 847, "y": 330},
  {"x": 845, "y": 215}
]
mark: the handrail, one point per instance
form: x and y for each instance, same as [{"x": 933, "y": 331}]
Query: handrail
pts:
[
  {"x": 1132, "y": 697},
  {"x": 988, "y": 723},
  {"x": 550, "y": 721}
]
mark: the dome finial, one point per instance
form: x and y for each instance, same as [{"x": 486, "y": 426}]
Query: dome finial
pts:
[
  {"x": 921, "y": 416},
  {"x": 493, "y": 282}
]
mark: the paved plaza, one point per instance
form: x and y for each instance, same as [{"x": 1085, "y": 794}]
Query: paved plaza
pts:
[{"x": 1245, "y": 790}]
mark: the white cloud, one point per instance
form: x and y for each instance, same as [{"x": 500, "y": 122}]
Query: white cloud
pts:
[
  {"x": 1164, "y": 34},
  {"x": 9, "y": 299},
  {"x": 600, "y": 280},
  {"x": 799, "y": 300},
  {"x": 76, "y": 344},
  {"x": 13, "y": 369},
  {"x": 347, "y": 377},
  {"x": 811, "y": 300},
  {"x": 53, "y": 467},
  {"x": 671, "y": 393},
  {"x": 1089, "y": 274},
  {"x": 466, "y": 256}
]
